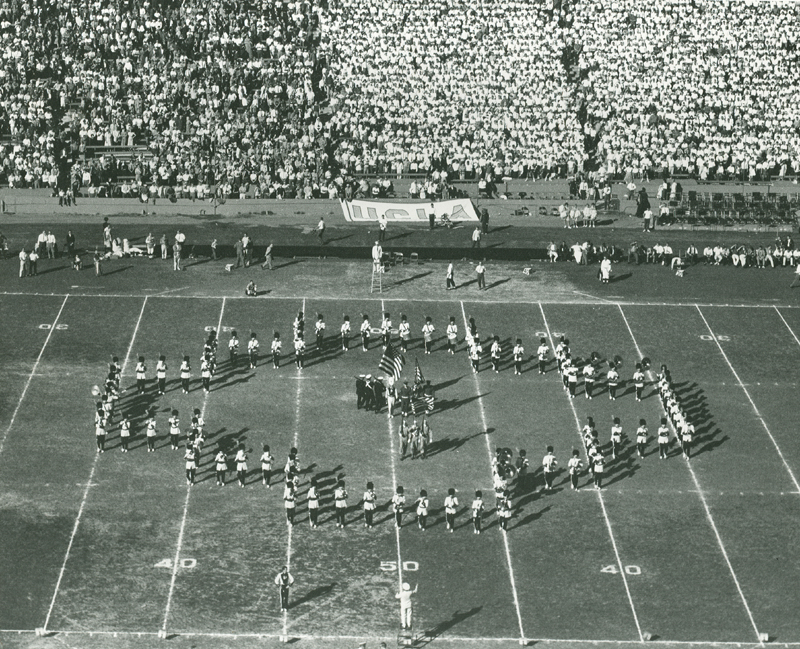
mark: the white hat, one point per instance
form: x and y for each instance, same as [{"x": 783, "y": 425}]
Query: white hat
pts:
[{"x": 406, "y": 586}]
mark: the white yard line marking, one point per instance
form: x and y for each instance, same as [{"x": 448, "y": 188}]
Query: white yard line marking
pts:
[
  {"x": 377, "y": 638},
  {"x": 390, "y": 424},
  {"x": 594, "y": 297},
  {"x": 295, "y": 438},
  {"x": 600, "y": 498},
  {"x": 752, "y": 403},
  {"x": 504, "y": 534},
  {"x": 179, "y": 545},
  {"x": 30, "y": 376},
  {"x": 778, "y": 311},
  {"x": 702, "y": 496},
  {"x": 554, "y": 300},
  {"x": 89, "y": 482}
]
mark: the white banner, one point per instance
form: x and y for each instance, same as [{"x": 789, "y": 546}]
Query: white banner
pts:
[{"x": 363, "y": 211}]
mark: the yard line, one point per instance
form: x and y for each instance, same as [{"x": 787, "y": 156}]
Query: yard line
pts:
[
  {"x": 30, "y": 376},
  {"x": 91, "y": 475},
  {"x": 778, "y": 311},
  {"x": 702, "y": 495},
  {"x": 600, "y": 498},
  {"x": 390, "y": 423},
  {"x": 295, "y": 438},
  {"x": 752, "y": 403},
  {"x": 176, "y": 560},
  {"x": 489, "y": 453}
]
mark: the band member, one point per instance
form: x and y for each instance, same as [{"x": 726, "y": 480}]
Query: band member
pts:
[
  {"x": 542, "y": 353},
  {"x": 312, "y": 502},
  {"x": 266, "y": 466},
  {"x": 319, "y": 331},
  {"x": 495, "y": 350},
  {"x": 252, "y": 350},
  {"x": 452, "y": 335},
  {"x": 340, "y": 502},
  {"x": 276, "y": 350},
  {"x": 233, "y": 348},
  {"x": 574, "y": 468},
  {"x": 386, "y": 329},
  {"x": 161, "y": 374},
  {"x": 369, "y": 504},
  {"x": 519, "y": 354},
  {"x": 404, "y": 330},
  {"x": 191, "y": 463},
  {"x": 427, "y": 334},
  {"x": 186, "y": 373},
  {"x": 422, "y": 509},
  {"x": 398, "y": 505},
  {"x": 174, "y": 430},
  {"x": 450, "y": 509},
  {"x": 477, "y": 512},
  {"x": 345, "y": 331},
  {"x": 221, "y": 466},
  {"x": 365, "y": 329},
  {"x": 616, "y": 438},
  {"x": 141, "y": 375}
]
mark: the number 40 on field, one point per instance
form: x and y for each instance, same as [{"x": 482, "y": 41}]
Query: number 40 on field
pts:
[
  {"x": 629, "y": 570},
  {"x": 183, "y": 563}
]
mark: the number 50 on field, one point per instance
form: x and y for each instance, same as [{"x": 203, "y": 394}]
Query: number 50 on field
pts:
[{"x": 391, "y": 566}]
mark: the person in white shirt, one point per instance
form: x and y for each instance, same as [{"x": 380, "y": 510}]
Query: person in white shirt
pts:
[
  {"x": 422, "y": 510},
  {"x": 405, "y": 605},
  {"x": 450, "y": 509},
  {"x": 574, "y": 467},
  {"x": 450, "y": 283},
  {"x": 549, "y": 464},
  {"x": 377, "y": 258}
]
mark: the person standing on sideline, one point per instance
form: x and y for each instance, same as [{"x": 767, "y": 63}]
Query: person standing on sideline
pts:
[
  {"x": 480, "y": 269},
  {"x": 405, "y": 605},
  {"x": 268, "y": 257},
  {"x": 51, "y": 245},
  {"x": 549, "y": 464},
  {"x": 340, "y": 503},
  {"x": 98, "y": 267},
  {"x": 398, "y": 505},
  {"x": 451, "y": 283},
  {"x": 382, "y": 222},
  {"x": 484, "y": 221},
  {"x": 176, "y": 255},
  {"x": 214, "y": 250},
  {"x": 23, "y": 263},
  {"x": 284, "y": 581},
  {"x": 161, "y": 374},
  {"x": 450, "y": 508},
  {"x": 377, "y": 258},
  {"x": 238, "y": 248},
  {"x": 241, "y": 465},
  {"x": 321, "y": 231},
  {"x": 431, "y": 217},
  {"x": 33, "y": 258},
  {"x": 247, "y": 249},
  {"x": 476, "y": 237},
  {"x": 233, "y": 348},
  {"x": 71, "y": 244}
]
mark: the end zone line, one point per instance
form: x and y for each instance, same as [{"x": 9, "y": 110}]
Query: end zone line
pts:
[
  {"x": 89, "y": 481},
  {"x": 295, "y": 438},
  {"x": 489, "y": 452},
  {"x": 752, "y": 403},
  {"x": 179, "y": 545},
  {"x": 30, "y": 376},
  {"x": 600, "y": 499},
  {"x": 778, "y": 311},
  {"x": 390, "y": 425},
  {"x": 702, "y": 496}
]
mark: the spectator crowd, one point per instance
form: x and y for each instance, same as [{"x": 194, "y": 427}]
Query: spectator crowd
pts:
[{"x": 306, "y": 98}]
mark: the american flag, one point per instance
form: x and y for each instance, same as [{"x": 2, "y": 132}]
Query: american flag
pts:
[
  {"x": 391, "y": 362},
  {"x": 418, "y": 378}
]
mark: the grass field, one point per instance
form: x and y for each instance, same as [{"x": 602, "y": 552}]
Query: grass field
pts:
[{"x": 111, "y": 549}]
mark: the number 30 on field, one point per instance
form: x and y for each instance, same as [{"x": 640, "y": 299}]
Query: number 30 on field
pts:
[
  {"x": 629, "y": 570},
  {"x": 391, "y": 566}
]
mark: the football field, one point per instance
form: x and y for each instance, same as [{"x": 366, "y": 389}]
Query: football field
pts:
[{"x": 116, "y": 550}]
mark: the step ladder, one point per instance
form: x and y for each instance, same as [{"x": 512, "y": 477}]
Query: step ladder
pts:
[{"x": 377, "y": 279}]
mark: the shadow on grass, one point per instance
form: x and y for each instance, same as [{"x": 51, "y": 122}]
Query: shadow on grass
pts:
[
  {"x": 412, "y": 278},
  {"x": 318, "y": 592}
]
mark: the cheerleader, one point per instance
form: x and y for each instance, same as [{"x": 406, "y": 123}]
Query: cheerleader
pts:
[
  {"x": 319, "y": 330},
  {"x": 452, "y": 335},
  {"x": 289, "y": 501},
  {"x": 141, "y": 375},
  {"x": 312, "y": 498},
  {"x": 365, "y": 329},
  {"x": 233, "y": 348},
  {"x": 477, "y": 512},
  {"x": 221, "y": 466},
  {"x": 345, "y": 332},
  {"x": 519, "y": 354},
  {"x": 161, "y": 374},
  {"x": 369, "y": 504},
  {"x": 191, "y": 463},
  {"x": 495, "y": 350},
  {"x": 186, "y": 373},
  {"x": 266, "y": 467},
  {"x": 398, "y": 505},
  {"x": 252, "y": 350},
  {"x": 427, "y": 334},
  {"x": 404, "y": 330},
  {"x": 125, "y": 432},
  {"x": 663, "y": 439},
  {"x": 340, "y": 503},
  {"x": 422, "y": 504},
  {"x": 641, "y": 437},
  {"x": 241, "y": 465},
  {"x": 616, "y": 438},
  {"x": 174, "y": 430}
]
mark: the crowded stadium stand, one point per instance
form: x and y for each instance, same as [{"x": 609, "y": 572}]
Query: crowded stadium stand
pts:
[{"x": 324, "y": 98}]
